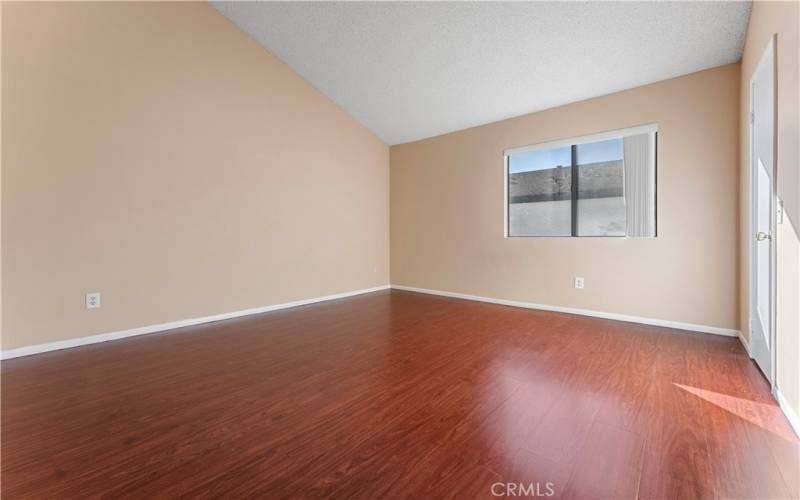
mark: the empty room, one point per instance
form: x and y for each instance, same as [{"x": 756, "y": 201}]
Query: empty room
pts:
[{"x": 380, "y": 250}]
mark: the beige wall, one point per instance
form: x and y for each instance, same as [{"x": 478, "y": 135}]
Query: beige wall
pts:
[
  {"x": 783, "y": 19},
  {"x": 447, "y": 210},
  {"x": 156, "y": 154},
  {"x": 250, "y": 188}
]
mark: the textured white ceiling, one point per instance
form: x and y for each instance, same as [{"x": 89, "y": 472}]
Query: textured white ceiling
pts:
[{"x": 418, "y": 69}]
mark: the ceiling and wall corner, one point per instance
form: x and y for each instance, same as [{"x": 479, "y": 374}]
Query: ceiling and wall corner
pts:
[
  {"x": 412, "y": 70},
  {"x": 447, "y": 197}
]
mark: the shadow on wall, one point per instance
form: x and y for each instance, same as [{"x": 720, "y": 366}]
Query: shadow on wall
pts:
[{"x": 788, "y": 317}]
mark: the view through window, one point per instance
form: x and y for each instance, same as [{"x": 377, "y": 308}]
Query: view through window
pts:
[{"x": 590, "y": 187}]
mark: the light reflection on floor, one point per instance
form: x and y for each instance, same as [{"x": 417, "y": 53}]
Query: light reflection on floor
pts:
[{"x": 768, "y": 417}]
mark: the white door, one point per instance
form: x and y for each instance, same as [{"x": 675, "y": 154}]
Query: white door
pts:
[{"x": 762, "y": 210}]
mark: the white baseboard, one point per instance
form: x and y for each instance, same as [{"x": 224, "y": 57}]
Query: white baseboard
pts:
[
  {"x": 745, "y": 344},
  {"x": 583, "y": 312},
  {"x": 143, "y": 330},
  {"x": 791, "y": 415}
]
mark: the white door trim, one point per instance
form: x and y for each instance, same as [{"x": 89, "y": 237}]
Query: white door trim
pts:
[{"x": 751, "y": 173}]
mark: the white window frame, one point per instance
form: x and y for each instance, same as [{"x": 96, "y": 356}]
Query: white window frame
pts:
[{"x": 649, "y": 128}]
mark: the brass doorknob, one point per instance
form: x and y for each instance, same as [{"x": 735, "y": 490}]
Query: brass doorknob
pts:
[{"x": 761, "y": 236}]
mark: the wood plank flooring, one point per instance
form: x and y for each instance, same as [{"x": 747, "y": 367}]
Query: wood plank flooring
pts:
[{"x": 397, "y": 394}]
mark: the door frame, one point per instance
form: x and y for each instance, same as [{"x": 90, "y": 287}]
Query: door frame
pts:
[{"x": 751, "y": 186}]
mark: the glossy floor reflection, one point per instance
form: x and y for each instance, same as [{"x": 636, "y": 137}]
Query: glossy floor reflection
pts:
[
  {"x": 397, "y": 394},
  {"x": 764, "y": 415}
]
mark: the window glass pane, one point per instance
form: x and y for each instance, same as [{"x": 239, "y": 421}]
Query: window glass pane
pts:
[
  {"x": 539, "y": 193},
  {"x": 601, "y": 200}
]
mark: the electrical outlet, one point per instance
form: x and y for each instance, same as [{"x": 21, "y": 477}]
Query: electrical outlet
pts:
[
  {"x": 578, "y": 282},
  {"x": 92, "y": 300}
]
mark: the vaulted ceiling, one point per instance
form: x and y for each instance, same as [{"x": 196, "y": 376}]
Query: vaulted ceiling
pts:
[{"x": 411, "y": 70}]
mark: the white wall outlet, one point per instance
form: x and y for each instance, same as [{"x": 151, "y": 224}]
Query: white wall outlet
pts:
[
  {"x": 92, "y": 300},
  {"x": 578, "y": 282}
]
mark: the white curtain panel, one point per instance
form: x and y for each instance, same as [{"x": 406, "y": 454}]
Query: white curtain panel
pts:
[{"x": 640, "y": 185}]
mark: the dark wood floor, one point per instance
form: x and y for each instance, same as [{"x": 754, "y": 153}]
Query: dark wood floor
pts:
[{"x": 396, "y": 394}]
